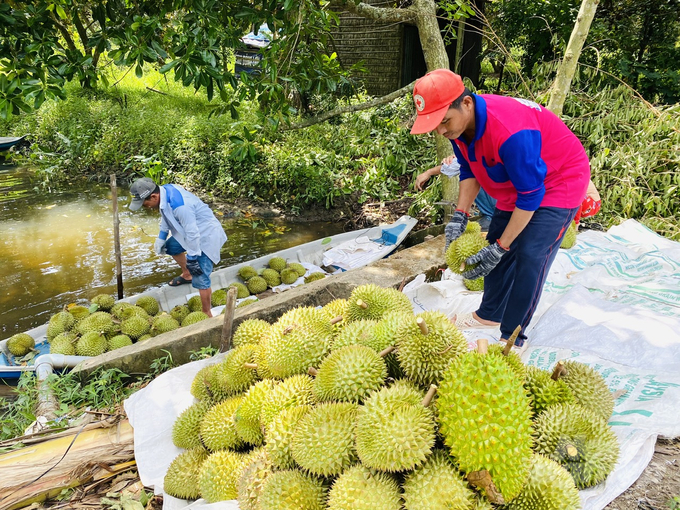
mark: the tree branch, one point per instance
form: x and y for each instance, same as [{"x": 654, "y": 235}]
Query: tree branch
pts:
[
  {"x": 385, "y": 14},
  {"x": 81, "y": 30},
  {"x": 64, "y": 32},
  {"x": 352, "y": 108}
]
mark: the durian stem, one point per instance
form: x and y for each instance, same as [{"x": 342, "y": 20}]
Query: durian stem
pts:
[
  {"x": 402, "y": 285},
  {"x": 228, "y": 323},
  {"x": 312, "y": 371},
  {"x": 422, "y": 325},
  {"x": 482, "y": 345},
  {"x": 482, "y": 479},
  {"x": 387, "y": 350},
  {"x": 250, "y": 365},
  {"x": 559, "y": 371},
  {"x": 361, "y": 304},
  {"x": 337, "y": 319},
  {"x": 430, "y": 395},
  {"x": 511, "y": 341}
]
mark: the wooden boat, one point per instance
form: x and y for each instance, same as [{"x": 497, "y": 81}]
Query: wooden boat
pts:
[
  {"x": 7, "y": 142},
  {"x": 364, "y": 246}
]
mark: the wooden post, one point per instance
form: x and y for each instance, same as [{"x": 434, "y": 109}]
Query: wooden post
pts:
[
  {"x": 116, "y": 236},
  {"x": 229, "y": 309}
]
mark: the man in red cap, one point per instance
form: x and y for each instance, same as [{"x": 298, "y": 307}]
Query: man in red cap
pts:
[{"x": 526, "y": 158}]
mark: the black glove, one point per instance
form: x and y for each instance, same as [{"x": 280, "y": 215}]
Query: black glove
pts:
[
  {"x": 486, "y": 259},
  {"x": 455, "y": 228},
  {"x": 193, "y": 266}
]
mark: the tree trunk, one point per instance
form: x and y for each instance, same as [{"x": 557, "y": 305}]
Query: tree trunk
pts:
[{"x": 567, "y": 68}]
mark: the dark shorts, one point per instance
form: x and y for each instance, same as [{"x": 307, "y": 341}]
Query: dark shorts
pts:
[{"x": 172, "y": 247}]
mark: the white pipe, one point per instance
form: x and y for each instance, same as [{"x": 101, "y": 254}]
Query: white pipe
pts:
[{"x": 46, "y": 363}]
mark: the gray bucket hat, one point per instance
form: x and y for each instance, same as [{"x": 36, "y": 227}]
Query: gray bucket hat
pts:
[{"x": 140, "y": 191}]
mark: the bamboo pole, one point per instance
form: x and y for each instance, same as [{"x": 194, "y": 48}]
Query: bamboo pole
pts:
[
  {"x": 227, "y": 325},
  {"x": 116, "y": 236}
]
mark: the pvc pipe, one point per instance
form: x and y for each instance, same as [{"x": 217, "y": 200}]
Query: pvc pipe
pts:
[{"x": 46, "y": 363}]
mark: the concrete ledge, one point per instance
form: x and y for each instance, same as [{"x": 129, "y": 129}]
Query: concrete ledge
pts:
[{"x": 405, "y": 264}]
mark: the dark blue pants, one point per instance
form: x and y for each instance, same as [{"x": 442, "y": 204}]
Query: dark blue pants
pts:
[{"x": 513, "y": 288}]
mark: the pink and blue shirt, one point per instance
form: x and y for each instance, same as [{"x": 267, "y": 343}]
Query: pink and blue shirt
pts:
[{"x": 523, "y": 155}]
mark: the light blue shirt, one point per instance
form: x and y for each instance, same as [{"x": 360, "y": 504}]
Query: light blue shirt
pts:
[{"x": 191, "y": 222}]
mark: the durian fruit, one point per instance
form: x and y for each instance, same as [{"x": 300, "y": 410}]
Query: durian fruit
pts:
[
  {"x": 293, "y": 490},
  {"x": 252, "y": 479},
  {"x": 298, "y": 268},
  {"x": 569, "y": 239},
  {"x": 272, "y": 277},
  {"x": 579, "y": 439},
  {"x": 426, "y": 344},
  {"x": 247, "y": 416},
  {"x": 181, "y": 479},
  {"x": 98, "y": 321},
  {"x": 360, "y": 488},
  {"x": 385, "y": 335},
  {"x": 334, "y": 309},
  {"x": 118, "y": 341},
  {"x": 149, "y": 304},
  {"x": 93, "y": 343},
  {"x": 20, "y": 344},
  {"x": 349, "y": 374},
  {"x": 247, "y": 272},
  {"x": 278, "y": 264},
  {"x": 144, "y": 337},
  {"x": 279, "y": 436},
  {"x": 544, "y": 391},
  {"x": 219, "y": 475},
  {"x": 104, "y": 302},
  {"x": 549, "y": 487},
  {"x": 135, "y": 326},
  {"x": 241, "y": 290},
  {"x": 312, "y": 277},
  {"x": 476, "y": 285},
  {"x": 79, "y": 312},
  {"x": 193, "y": 318},
  {"x": 59, "y": 323},
  {"x": 232, "y": 376},
  {"x": 250, "y": 331},
  {"x": 512, "y": 359},
  {"x": 64, "y": 343},
  {"x": 323, "y": 441},
  {"x": 589, "y": 388},
  {"x": 186, "y": 431},
  {"x": 247, "y": 302},
  {"x": 355, "y": 333},
  {"x": 395, "y": 431},
  {"x": 485, "y": 419},
  {"x": 459, "y": 250},
  {"x": 134, "y": 311},
  {"x": 289, "y": 276},
  {"x": 256, "y": 285},
  {"x": 217, "y": 427},
  {"x": 294, "y": 391},
  {"x": 162, "y": 324},
  {"x": 473, "y": 227},
  {"x": 118, "y": 308},
  {"x": 437, "y": 485},
  {"x": 202, "y": 385},
  {"x": 372, "y": 302},
  {"x": 194, "y": 303},
  {"x": 261, "y": 361},
  {"x": 180, "y": 312},
  {"x": 218, "y": 297}
]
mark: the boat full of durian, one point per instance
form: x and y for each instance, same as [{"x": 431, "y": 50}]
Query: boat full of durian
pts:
[{"x": 104, "y": 324}]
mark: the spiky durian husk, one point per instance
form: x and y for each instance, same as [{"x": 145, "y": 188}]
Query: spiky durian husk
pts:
[
  {"x": 385, "y": 335},
  {"x": 162, "y": 324},
  {"x": 59, "y": 323},
  {"x": 247, "y": 417},
  {"x": 256, "y": 285},
  {"x": 20, "y": 344},
  {"x": 569, "y": 239},
  {"x": 280, "y": 435},
  {"x": 263, "y": 371},
  {"x": 424, "y": 358},
  {"x": 241, "y": 291},
  {"x": 193, "y": 318},
  {"x": 589, "y": 388},
  {"x": 355, "y": 333},
  {"x": 98, "y": 321},
  {"x": 298, "y": 268},
  {"x": 252, "y": 480},
  {"x": 549, "y": 487},
  {"x": 135, "y": 326},
  {"x": 473, "y": 228},
  {"x": 544, "y": 391},
  {"x": 64, "y": 343},
  {"x": 149, "y": 304},
  {"x": 314, "y": 277},
  {"x": 217, "y": 427},
  {"x": 79, "y": 312},
  {"x": 360, "y": 488},
  {"x": 186, "y": 431},
  {"x": 247, "y": 272},
  {"x": 247, "y": 302},
  {"x": 250, "y": 331},
  {"x": 194, "y": 303},
  {"x": 200, "y": 386},
  {"x": 580, "y": 440},
  {"x": 437, "y": 485},
  {"x": 512, "y": 359},
  {"x": 475, "y": 285},
  {"x": 323, "y": 441},
  {"x": 293, "y": 490},
  {"x": 294, "y": 391},
  {"x": 459, "y": 250},
  {"x": 180, "y": 312},
  {"x": 133, "y": 311},
  {"x": 232, "y": 376},
  {"x": 93, "y": 343},
  {"x": 336, "y": 308},
  {"x": 104, "y": 302},
  {"x": 219, "y": 475},
  {"x": 485, "y": 419},
  {"x": 349, "y": 374},
  {"x": 289, "y": 276},
  {"x": 181, "y": 479},
  {"x": 395, "y": 432},
  {"x": 118, "y": 341},
  {"x": 272, "y": 277},
  {"x": 378, "y": 301},
  {"x": 278, "y": 264},
  {"x": 219, "y": 297}
]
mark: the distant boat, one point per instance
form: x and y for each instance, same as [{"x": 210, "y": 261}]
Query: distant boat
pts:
[{"x": 7, "y": 142}]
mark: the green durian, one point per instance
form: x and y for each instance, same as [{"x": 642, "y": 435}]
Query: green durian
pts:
[
  {"x": 473, "y": 228},
  {"x": 476, "y": 285},
  {"x": 135, "y": 327},
  {"x": 298, "y": 268},
  {"x": 252, "y": 480},
  {"x": 118, "y": 341},
  {"x": 93, "y": 343},
  {"x": 312, "y": 277},
  {"x": 334, "y": 309},
  {"x": 180, "y": 312},
  {"x": 359, "y": 332},
  {"x": 133, "y": 311},
  {"x": 118, "y": 307},
  {"x": 217, "y": 427},
  {"x": 272, "y": 277},
  {"x": 569, "y": 239},
  {"x": 512, "y": 359},
  {"x": 371, "y": 302},
  {"x": 589, "y": 388},
  {"x": 247, "y": 302},
  {"x": 193, "y": 318},
  {"x": 181, "y": 479},
  {"x": 250, "y": 331},
  {"x": 219, "y": 475},
  {"x": 289, "y": 276},
  {"x": 98, "y": 321},
  {"x": 247, "y": 272},
  {"x": 202, "y": 385},
  {"x": 278, "y": 264},
  {"x": 104, "y": 302},
  {"x": 162, "y": 324},
  {"x": 544, "y": 391},
  {"x": 219, "y": 297},
  {"x": 144, "y": 337},
  {"x": 20, "y": 344},
  {"x": 294, "y": 391},
  {"x": 59, "y": 323},
  {"x": 247, "y": 416},
  {"x": 79, "y": 312},
  {"x": 293, "y": 490},
  {"x": 459, "y": 250},
  {"x": 256, "y": 285},
  {"x": 186, "y": 431},
  {"x": 149, "y": 304},
  {"x": 232, "y": 376},
  {"x": 360, "y": 488},
  {"x": 279, "y": 435},
  {"x": 64, "y": 343},
  {"x": 194, "y": 303},
  {"x": 549, "y": 487},
  {"x": 385, "y": 335},
  {"x": 241, "y": 290}
]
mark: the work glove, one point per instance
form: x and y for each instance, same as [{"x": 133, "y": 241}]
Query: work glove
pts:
[
  {"x": 486, "y": 259},
  {"x": 193, "y": 266},
  {"x": 455, "y": 228},
  {"x": 159, "y": 246}
]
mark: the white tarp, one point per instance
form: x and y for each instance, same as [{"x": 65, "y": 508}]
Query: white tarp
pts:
[
  {"x": 612, "y": 301},
  {"x": 356, "y": 253}
]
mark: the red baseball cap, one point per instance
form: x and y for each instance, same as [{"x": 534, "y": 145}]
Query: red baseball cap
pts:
[{"x": 433, "y": 95}]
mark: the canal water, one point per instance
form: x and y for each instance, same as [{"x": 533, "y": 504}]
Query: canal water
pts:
[{"x": 56, "y": 246}]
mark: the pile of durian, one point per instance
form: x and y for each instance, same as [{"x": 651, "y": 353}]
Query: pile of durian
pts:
[
  {"x": 278, "y": 271},
  {"x": 465, "y": 246},
  {"x": 363, "y": 405}
]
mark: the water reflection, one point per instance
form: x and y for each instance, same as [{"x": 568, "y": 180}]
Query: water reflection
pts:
[{"x": 56, "y": 247}]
